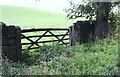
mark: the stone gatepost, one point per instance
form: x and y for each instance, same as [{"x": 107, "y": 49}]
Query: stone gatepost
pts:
[
  {"x": 81, "y": 32},
  {"x": 10, "y": 42}
]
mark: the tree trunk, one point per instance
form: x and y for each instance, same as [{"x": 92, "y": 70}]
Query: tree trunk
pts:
[{"x": 102, "y": 26}]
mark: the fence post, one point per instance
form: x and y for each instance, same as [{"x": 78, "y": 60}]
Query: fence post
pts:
[
  {"x": 72, "y": 35},
  {"x": 11, "y": 42}
]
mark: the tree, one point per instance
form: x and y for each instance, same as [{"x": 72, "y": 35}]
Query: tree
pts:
[{"x": 100, "y": 11}]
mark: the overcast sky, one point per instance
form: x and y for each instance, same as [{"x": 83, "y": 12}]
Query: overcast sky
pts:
[{"x": 52, "y": 5}]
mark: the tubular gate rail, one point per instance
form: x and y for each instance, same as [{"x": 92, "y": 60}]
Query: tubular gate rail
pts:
[{"x": 37, "y": 42}]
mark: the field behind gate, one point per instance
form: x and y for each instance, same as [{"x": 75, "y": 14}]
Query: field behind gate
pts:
[
  {"x": 33, "y": 18},
  {"x": 34, "y": 38},
  {"x": 28, "y": 18}
]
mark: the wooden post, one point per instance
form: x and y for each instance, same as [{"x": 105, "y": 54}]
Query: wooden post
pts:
[{"x": 74, "y": 34}]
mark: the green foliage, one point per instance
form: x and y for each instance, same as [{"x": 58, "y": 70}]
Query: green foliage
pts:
[
  {"x": 115, "y": 21},
  {"x": 82, "y": 10},
  {"x": 98, "y": 58},
  {"x": 90, "y": 59},
  {"x": 89, "y": 9},
  {"x": 114, "y": 18},
  {"x": 13, "y": 68},
  {"x": 47, "y": 53}
]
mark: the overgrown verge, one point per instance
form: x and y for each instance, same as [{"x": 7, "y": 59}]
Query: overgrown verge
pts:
[{"x": 99, "y": 58}]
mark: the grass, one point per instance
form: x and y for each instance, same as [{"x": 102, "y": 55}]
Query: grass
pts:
[
  {"x": 33, "y": 18},
  {"x": 99, "y": 58}
]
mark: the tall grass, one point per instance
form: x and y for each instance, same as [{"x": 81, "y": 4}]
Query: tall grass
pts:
[{"x": 99, "y": 58}]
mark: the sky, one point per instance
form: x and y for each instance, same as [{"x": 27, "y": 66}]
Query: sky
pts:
[{"x": 51, "y": 5}]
